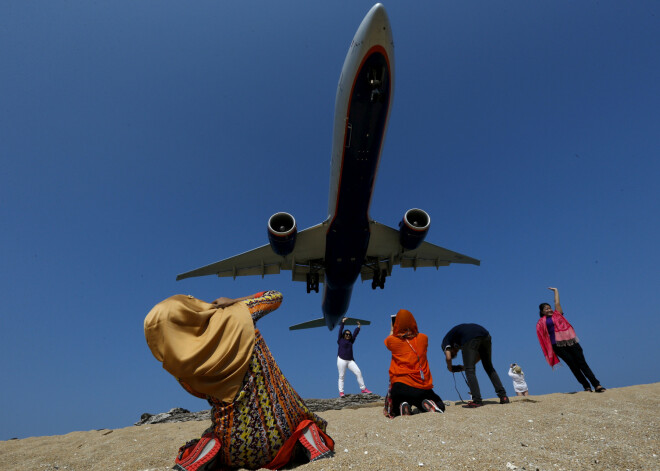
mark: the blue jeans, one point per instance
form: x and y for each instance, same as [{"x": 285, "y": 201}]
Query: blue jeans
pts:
[{"x": 480, "y": 347}]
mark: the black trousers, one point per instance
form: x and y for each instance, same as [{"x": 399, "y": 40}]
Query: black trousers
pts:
[
  {"x": 414, "y": 396},
  {"x": 573, "y": 356},
  {"x": 472, "y": 350}
]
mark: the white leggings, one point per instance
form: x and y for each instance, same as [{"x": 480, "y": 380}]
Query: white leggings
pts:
[{"x": 351, "y": 365}]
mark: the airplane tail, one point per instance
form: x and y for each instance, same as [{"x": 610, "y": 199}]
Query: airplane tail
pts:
[{"x": 320, "y": 322}]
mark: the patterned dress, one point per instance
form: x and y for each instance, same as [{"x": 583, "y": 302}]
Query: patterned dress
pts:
[{"x": 266, "y": 411}]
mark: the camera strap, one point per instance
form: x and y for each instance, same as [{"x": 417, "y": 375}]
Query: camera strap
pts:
[
  {"x": 419, "y": 361},
  {"x": 456, "y": 387}
]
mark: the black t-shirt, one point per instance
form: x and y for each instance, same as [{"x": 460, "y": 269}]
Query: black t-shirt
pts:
[{"x": 462, "y": 333}]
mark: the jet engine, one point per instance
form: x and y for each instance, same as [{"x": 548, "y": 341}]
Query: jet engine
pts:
[
  {"x": 282, "y": 232},
  {"x": 413, "y": 228}
]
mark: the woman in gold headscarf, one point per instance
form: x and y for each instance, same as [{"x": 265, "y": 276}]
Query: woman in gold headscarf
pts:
[
  {"x": 216, "y": 353},
  {"x": 411, "y": 383}
]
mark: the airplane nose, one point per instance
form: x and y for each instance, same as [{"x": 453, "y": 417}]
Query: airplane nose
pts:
[
  {"x": 377, "y": 18},
  {"x": 375, "y": 27}
]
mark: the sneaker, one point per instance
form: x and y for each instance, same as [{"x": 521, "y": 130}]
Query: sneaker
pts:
[
  {"x": 198, "y": 455},
  {"x": 341, "y": 394},
  {"x": 473, "y": 404},
  {"x": 430, "y": 406},
  {"x": 504, "y": 400},
  {"x": 404, "y": 409},
  {"x": 366, "y": 391}
]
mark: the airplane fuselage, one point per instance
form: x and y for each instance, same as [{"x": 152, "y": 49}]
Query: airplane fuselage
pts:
[{"x": 362, "y": 109}]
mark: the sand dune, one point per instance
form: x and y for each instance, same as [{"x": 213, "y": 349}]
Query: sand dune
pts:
[{"x": 618, "y": 429}]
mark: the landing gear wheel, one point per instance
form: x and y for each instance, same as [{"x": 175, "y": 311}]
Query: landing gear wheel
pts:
[
  {"x": 375, "y": 282},
  {"x": 312, "y": 282},
  {"x": 383, "y": 275}
]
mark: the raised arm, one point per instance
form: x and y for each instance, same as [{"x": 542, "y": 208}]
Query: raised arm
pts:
[
  {"x": 356, "y": 331},
  {"x": 557, "y": 304},
  {"x": 341, "y": 329},
  {"x": 223, "y": 302},
  {"x": 261, "y": 304}
]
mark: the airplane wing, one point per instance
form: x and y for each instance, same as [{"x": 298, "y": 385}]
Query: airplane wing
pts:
[
  {"x": 307, "y": 256},
  {"x": 320, "y": 322},
  {"x": 385, "y": 251}
]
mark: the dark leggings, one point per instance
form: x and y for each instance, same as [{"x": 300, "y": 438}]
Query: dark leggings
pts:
[
  {"x": 414, "y": 396},
  {"x": 573, "y": 356}
]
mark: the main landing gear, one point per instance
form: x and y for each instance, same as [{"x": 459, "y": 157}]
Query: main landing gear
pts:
[
  {"x": 312, "y": 282},
  {"x": 375, "y": 82},
  {"x": 379, "y": 279}
]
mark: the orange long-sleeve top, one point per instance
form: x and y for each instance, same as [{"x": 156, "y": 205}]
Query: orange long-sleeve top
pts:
[{"x": 408, "y": 357}]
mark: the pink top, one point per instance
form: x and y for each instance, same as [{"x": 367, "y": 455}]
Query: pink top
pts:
[{"x": 564, "y": 336}]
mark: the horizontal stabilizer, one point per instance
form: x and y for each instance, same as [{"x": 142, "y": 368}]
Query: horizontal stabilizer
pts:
[{"x": 320, "y": 322}]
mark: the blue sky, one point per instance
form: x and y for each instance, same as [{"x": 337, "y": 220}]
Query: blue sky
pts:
[{"x": 139, "y": 140}]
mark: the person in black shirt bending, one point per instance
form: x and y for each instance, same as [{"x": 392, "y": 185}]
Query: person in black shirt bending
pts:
[{"x": 476, "y": 344}]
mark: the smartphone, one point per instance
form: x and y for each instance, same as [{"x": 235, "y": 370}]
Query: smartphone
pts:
[{"x": 393, "y": 319}]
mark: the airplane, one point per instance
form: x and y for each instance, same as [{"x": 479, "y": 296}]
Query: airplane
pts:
[{"x": 348, "y": 243}]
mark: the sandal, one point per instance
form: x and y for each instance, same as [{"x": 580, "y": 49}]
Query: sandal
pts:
[
  {"x": 588, "y": 390},
  {"x": 599, "y": 388}
]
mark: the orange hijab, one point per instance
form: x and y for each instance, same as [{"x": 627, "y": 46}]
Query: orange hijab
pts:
[
  {"x": 405, "y": 325},
  {"x": 207, "y": 348}
]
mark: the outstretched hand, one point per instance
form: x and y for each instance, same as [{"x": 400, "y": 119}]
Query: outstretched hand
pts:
[
  {"x": 223, "y": 302},
  {"x": 552, "y": 289},
  {"x": 358, "y": 323}
]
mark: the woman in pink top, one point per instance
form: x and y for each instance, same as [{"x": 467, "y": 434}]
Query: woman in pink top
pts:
[{"x": 558, "y": 340}]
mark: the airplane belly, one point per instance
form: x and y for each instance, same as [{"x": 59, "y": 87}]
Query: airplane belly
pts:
[
  {"x": 365, "y": 132},
  {"x": 335, "y": 304},
  {"x": 348, "y": 233},
  {"x": 362, "y": 108},
  {"x": 344, "y": 255}
]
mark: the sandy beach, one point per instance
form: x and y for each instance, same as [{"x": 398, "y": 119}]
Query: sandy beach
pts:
[{"x": 616, "y": 430}]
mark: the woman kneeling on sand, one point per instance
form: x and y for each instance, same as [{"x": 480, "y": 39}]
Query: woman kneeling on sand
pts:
[
  {"x": 411, "y": 383},
  {"x": 216, "y": 353}
]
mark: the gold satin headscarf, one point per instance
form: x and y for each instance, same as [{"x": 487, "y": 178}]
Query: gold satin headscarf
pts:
[{"x": 206, "y": 347}]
